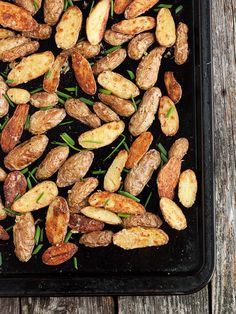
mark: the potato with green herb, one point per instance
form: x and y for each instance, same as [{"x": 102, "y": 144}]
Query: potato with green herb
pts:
[
  {"x": 168, "y": 116},
  {"x": 165, "y": 29},
  {"x": 102, "y": 215}
]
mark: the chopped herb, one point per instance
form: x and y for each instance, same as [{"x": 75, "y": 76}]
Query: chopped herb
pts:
[
  {"x": 45, "y": 108},
  {"x": 24, "y": 171},
  {"x": 9, "y": 100},
  {"x": 48, "y": 74},
  {"x": 63, "y": 95},
  {"x": 31, "y": 174},
  {"x": 131, "y": 74},
  {"x": 148, "y": 199},
  {"x": 99, "y": 171},
  {"x": 61, "y": 101},
  {"x": 145, "y": 53},
  {"x": 106, "y": 202},
  {"x": 179, "y": 9},
  {"x": 138, "y": 101},
  {"x": 70, "y": 3},
  {"x": 11, "y": 211},
  {"x": 37, "y": 235},
  {"x": 111, "y": 49},
  {"x": 65, "y": 5},
  {"x": 29, "y": 183},
  {"x": 104, "y": 91},
  {"x": 167, "y": 6},
  {"x": 91, "y": 63},
  {"x": 112, "y": 9},
  {"x": 66, "y": 122},
  {"x": 36, "y": 7},
  {"x": 134, "y": 103},
  {"x": 81, "y": 39},
  {"x": 34, "y": 91},
  {"x": 27, "y": 122},
  {"x": 69, "y": 141},
  {"x": 76, "y": 90},
  {"x": 9, "y": 228},
  {"x": 41, "y": 235},
  {"x": 123, "y": 215},
  {"x": 70, "y": 89},
  {"x": 126, "y": 146},
  {"x": 33, "y": 171},
  {"x": 126, "y": 170},
  {"x": 169, "y": 112},
  {"x": 37, "y": 249},
  {"x": 58, "y": 143},
  {"x": 116, "y": 148},
  {"x": 164, "y": 158},
  {"x": 162, "y": 149},
  {"x": 129, "y": 196},
  {"x": 86, "y": 101},
  {"x": 93, "y": 142},
  {"x": 75, "y": 263},
  {"x": 40, "y": 196},
  {"x": 92, "y": 5},
  {"x": 4, "y": 74},
  {"x": 0, "y": 259},
  {"x": 68, "y": 236},
  {"x": 9, "y": 81},
  {"x": 4, "y": 123},
  {"x": 18, "y": 195}
]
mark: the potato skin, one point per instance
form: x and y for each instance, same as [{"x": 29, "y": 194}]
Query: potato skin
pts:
[
  {"x": 43, "y": 99},
  {"x": 3, "y": 234},
  {"x": 139, "y": 45},
  {"x": 105, "y": 113},
  {"x": 174, "y": 89},
  {"x": 52, "y": 11},
  {"x": 14, "y": 185},
  {"x": 18, "y": 95},
  {"x": 80, "y": 111},
  {"x": 52, "y": 162},
  {"x": 187, "y": 188},
  {"x": 145, "y": 115},
  {"x": 83, "y": 224},
  {"x": 138, "y": 7},
  {"x": 43, "y": 31},
  {"x": 169, "y": 125},
  {"x": 96, "y": 238},
  {"x": 19, "y": 51},
  {"x": 179, "y": 148},
  {"x": 116, "y": 39},
  {"x": 74, "y": 168},
  {"x": 172, "y": 214},
  {"x": 3, "y": 213},
  {"x": 31, "y": 6},
  {"x": 12, "y": 42},
  {"x": 146, "y": 220},
  {"x": 42, "y": 121},
  {"x": 56, "y": 255},
  {"x": 5, "y": 33},
  {"x": 68, "y": 29},
  {"x": 79, "y": 192},
  {"x": 138, "y": 237},
  {"x": 168, "y": 178},
  {"x": 87, "y": 50},
  {"x": 23, "y": 236},
  {"x": 138, "y": 149},
  {"x": 16, "y": 18},
  {"x": 4, "y": 106},
  {"x": 181, "y": 45},
  {"x": 134, "y": 26},
  {"x": 165, "y": 30},
  {"x": 110, "y": 61},
  {"x": 26, "y": 153},
  {"x": 83, "y": 73},
  {"x": 148, "y": 69},
  {"x": 3, "y": 175},
  {"x": 121, "y": 106},
  {"x": 140, "y": 174},
  {"x": 57, "y": 220},
  {"x": 121, "y": 5},
  {"x": 101, "y": 214}
]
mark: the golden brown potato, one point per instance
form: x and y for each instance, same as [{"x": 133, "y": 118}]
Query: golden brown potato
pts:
[
  {"x": 41, "y": 195},
  {"x": 97, "y": 238},
  {"x": 12, "y": 42},
  {"x": 13, "y": 130},
  {"x": 116, "y": 203},
  {"x": 80, "y": 111},
  {"x": 187, "y": 188},
  {"x": 179, "y": 148},
  {"x": 83, "y": 73},
  {"x": 148, "y": 68},
  {"x": 79, "y": 192},
  {"x": 144, "y": 117},
  {"x": 52, "y": 11},
  {"x": 57, "y": 220},
  {"x": 116, "y": 39},
  {"x": 146, "y": 220},
  {"x": 87, "y": 50},
  {"x": 165, "y": 30},
  {"x": 112, "y": 178},
  {"x": 68, "y": 29},
  {"x": 14, "y": 186},
  {"x": 30, "y": 68},
  {"x": 138, "y": 237},
  {"x": 5, "y": 33},
  {"x": 122, "y": 107},
  {"x": 134, "y": 26},
  {"x": 43, "y": 99},
  {"x": 3, "y": 175},
  {"x": 168, "y": 116},
  {"x": 18, "y": 95},
  {"x": 101, "y": 214},
  {"x": 96, "y": 21},
  {"x": 17, "y": 18},
  {"x": 32, "y": 6},
  {"x": 168, "y": 178},
  {"x": 181, "y": 45},
  {"x": 110, "y": 61},
  {"x": 26, "y": 153},
  {"x": 43, "y": 120},
  {"x": 3, "y": 213},
  {"x": 139, "y": 175},
  {"x": 121, "y": 5},
  {"x": 58, "y": 254},
  {"x": 118, "y": 84},
  {"x": 105, "y": 113},
  {"x": 43, "y": 31},
  {"x": 172, "y": 214},
  {"x": 173, "y": 88},
  {"x": 19, "y": 51},
  {"x": 4, "y": 106},
  {"x": 102, "y": 136},
  {"x": 139, "y": 45},
  {"x": 83, "y": 224},
  {"x": 23, "y": 237},
  {"x": 52, "y": 162},
  {"x": 75, "y": 168},
  {"x": 138, "y": 7}
]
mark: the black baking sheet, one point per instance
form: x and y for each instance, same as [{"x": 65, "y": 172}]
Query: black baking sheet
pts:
[{"x": 186, "y": 263}]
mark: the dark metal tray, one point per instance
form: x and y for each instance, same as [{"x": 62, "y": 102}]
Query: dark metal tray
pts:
[{"x": 186, "y": 264}]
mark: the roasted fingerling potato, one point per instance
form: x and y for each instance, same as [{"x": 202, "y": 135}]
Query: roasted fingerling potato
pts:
[
  {"x": 134, "y": 26},
  {"x": 181, "y": 45},
  {"x": 122, "y": 107},
  {"x": 165, "y": 28},
  {"x": 96, "y": 238},
  {"x": 174, "y": 89},
  {"x": 52, "y": 11},
  {"x": 82, "y": 224},
  {"x": 179, "y": 148},
  {"x": 105, "y": 113},
  {"x": 168, "y": 116},
  {"x": 187, "y": 188},
  {"x": 139, "y": 45},
  {"x": 115, "y": 38}
]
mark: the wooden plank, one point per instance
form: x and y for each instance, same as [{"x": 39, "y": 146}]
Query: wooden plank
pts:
[
  {"x": 10, "y": 305},
  {"x": 75, "y": 305},
  {"x": 224, "y": 51},
  {"x": 194, "y": 304}
]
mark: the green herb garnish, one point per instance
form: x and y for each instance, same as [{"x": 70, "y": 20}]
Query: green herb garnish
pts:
[
  {"x": 68, "y": 236},
  {"x": 116, "y": 148},
  {"x": 37, "y": 249},
  {"x": 126, "y": 146},
  {"x": 34, "y": 91},
  {"x": 123, "y": 215},
  {"x": 112, "y": 9},
  {"x": 106, "y": 202},
  {"x": 179, "y": 9},
  {"x": 11, "y": 211},
  {"x": 63, "y": 95},
  {"x": 69, "y": 141},
  {"x": 9, "y": 228},
  {"x": 9, "y": 100},
  {"x": 93, "y": 142},
  {"x": 126, "y": 170},
  {"x": 104, "y": 91},
  {"x": 131, "y": 74},
  {"x": 86, "y": 101},
  {"x": 111, "y": 50},
  {"x": 70, "y": 3},
  {"x": 134, "y": 103},
  {"x": 37, "y": 235},
  {"x": 48, "y": 74},
  {"x": 169, "y": 112},
  {"x": 45, "y": 108},
  {"x": 166, "y": 6},
  {"x": 41, "y": 235},
  {"x": 18, "y": 195},
  {"x": 66, "y": 122},
  {"x": 27, "y": 122},
  {"x": 99, "y": 172},
  {"x": 40, "y": 196},
  {"x": 9, "y": 81},
  {"x": 75, "y": 263},
  {"x": 148, "y": 199},
  {"x": 70, "y": 89},
  {"x": 134, "y": 198},
  {"x": 162, "y": 149},
  {"x": 164, "y": 158},
  {"x": 61, "y": 101},
  {"x": 29, "y": 184},
  {"x": 24, "y": 171},
  {"x": 2, "y": 126}
]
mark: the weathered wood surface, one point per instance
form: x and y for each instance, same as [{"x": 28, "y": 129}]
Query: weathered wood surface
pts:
[{"x": 220, "y": 296}]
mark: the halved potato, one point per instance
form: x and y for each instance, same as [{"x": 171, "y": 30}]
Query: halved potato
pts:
[
  {"x": 115, "y": 38},
  {"x": 172, "y": 214},
  {"x": 43, "y": 31},
  {"x": 19, "y": 51},
  {"x": 187, "y": 189},
  {"x": 96, "y": 238},
  {"x": 32, "y": 6},
  {"x": 112, "y": 179},
  {"x": 179, "y": 148},
  {"x": 122, "y": 107},
  {"x": 174, "y": 89},
  {"x": 138, "y": 7},
  {"x": 118, "y": 84},
  {"x": 138, "y": 237},
  {"x": 38, "y": 197},
  {"x": 105, "y": 113},
  {"x": 134, "y": 26},
  {"x": 102, "y": 136},
  {"x": 121, "y": 5},
  {"x": 18, "y": 95},
  {"x": 165, "y": 30},
  {"x": 97, "y": 21},
  {"x": 12, "y": 42},
  {"x": 101, "y": 214},
  {"x": 168, "y": 116},
  {"x": 87, "y": 50}
]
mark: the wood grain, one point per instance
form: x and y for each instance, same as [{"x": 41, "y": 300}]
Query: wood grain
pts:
[{"x": 10, "y": 305}]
